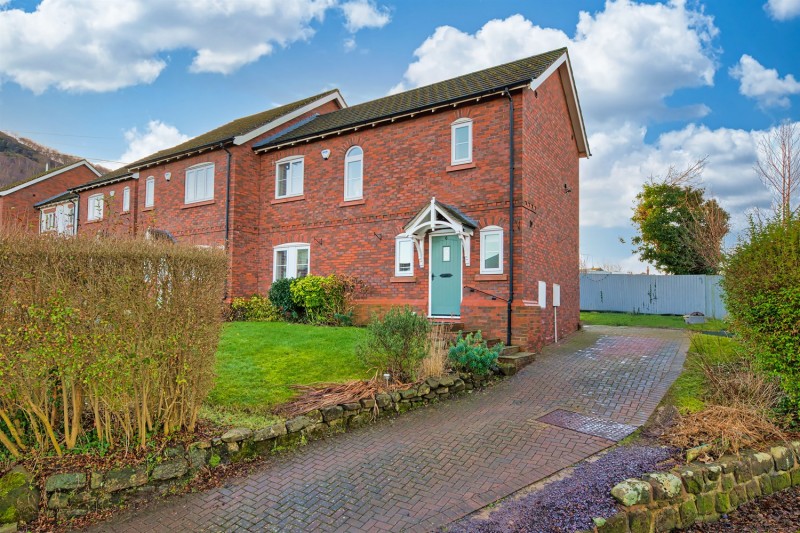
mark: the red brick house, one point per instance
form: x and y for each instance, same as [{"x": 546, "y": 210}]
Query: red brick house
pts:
[
  {"x": 18, "y": 200},
  {"x": 202, "y": 191},
  {"x": 413, "y": 192}
]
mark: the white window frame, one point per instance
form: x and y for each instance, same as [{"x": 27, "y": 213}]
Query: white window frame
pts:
[
  {"x": 95, "y": 206},
  {"x": 126, "y": 199},
  {"x": 490, "y": 231},
  {"x": 291, "y": 250},
  {"x": 349, "y": 158},
  {"x": 458, "y": 124},
  {"x": 400, "y": 241},
  {"x": 150, "y": 192},
  {"x": 291, "y": 180},
  {"x": 190, "y": 187},
  {"x": 48, "y": 222}
]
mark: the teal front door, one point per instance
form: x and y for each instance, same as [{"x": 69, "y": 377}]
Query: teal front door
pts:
[{"x": 445, "y": 275}]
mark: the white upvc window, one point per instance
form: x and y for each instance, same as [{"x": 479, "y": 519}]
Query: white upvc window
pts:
[
  {"x": 403, "y": 256},
  {"x": 126, "y": 199},
  {"x": 461, "y": 141},
  {"x": 291, "y": 260},
  {"x": 95, "y": 208},
  {"x": 289, "y": 177},
  {"x": 199, "y": 183},
  {"x": 492, "y": 250},
  {"x": 150, "y": 192},
  {"x": 48, "y": 222},
  {"x": 354, "y": 174}
]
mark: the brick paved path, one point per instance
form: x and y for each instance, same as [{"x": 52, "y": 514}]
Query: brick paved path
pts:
[{"x": 435, "y": 465}]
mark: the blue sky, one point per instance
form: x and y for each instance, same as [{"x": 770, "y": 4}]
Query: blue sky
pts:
[{"x": 661, "y": 83}]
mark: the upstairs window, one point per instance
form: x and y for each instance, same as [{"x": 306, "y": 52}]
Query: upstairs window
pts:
[
  {"x": 150, "y": 192},
  {"x": 354, "y": 174},
  {"x": 200, "y": 183},
  {"x": 461, "y": 133},
  {"x": 289, "y": 177},
  {"x": 403, "y": 256},
  {"x": 492, "y": 250},
  {"x": 95, "y": 207},
  {"x": 126, "y": 199},
  {"x": 291, "y": 261}
]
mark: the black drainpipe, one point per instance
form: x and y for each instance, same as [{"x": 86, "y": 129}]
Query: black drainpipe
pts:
[
  {"x": 510, "y": 215},
  {"x": 227, "y": 210}
]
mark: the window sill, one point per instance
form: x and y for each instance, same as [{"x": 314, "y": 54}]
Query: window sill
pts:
[
  {"x": 151, "y": 208},
  {"x": 491, "y": 277},
  {"x": 348, "y": 203},
  {"x": 462, "y": 166},
  {"x": 198, "y": 204},
  {"x": 95, "y": 221},
  {"x": 403, "y": 279},
  {"x": 288, "y": 199}
]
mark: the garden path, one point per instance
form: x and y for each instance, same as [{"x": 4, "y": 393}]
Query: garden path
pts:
[{"x": 427, "y": 468}]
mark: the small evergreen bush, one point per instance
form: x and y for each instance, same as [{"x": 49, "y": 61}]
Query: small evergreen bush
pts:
[
  {"x": 254, "y": 309},
  {"x": 326, "y": 300},
  {"x": 396, "y": 343},
  {"x": 470, "y": 353},
  {"x": 280, "y": 294}
]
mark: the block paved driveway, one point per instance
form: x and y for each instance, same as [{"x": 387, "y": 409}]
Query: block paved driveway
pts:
[{"x": 432, "y": 466}]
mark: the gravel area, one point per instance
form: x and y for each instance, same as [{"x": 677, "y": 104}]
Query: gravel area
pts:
[
  {"x": 570, "y": 503},
  {"x": 778, "y": 513}
]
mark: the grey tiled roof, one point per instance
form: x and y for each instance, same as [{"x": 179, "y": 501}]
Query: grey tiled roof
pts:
[
  {"x": 484, "y": 81},
  {"x": 58, "y": 198},
  {"x": 114, "y": 175},
  {"x": 230, "y": 130}
]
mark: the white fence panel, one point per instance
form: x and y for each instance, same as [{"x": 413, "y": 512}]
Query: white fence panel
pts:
[{"x": 652, "y": 295}]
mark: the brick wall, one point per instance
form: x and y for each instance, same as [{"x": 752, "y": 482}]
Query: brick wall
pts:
[{"x": 17, "y": 208}]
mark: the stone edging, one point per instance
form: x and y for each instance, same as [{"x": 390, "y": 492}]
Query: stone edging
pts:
[
  {"x": 74, "y": 494},
  {"x": 700, "y": 492}
]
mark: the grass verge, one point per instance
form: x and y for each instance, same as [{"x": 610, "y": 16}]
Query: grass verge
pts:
[
  {"x": 257, "y": 362},
  {"x": 595, "y": 318}
]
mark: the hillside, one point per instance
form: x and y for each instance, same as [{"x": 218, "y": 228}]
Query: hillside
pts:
[{"x": 21, "y": 158}]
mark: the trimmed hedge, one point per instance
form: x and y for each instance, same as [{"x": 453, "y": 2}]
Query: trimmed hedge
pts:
[{"x": 111, "y": 337}]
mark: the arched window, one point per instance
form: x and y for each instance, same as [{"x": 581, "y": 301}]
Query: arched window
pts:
[
  {"x": 150, "y": 192},
  {"x": 354, "y": 174},
  {"x": 492, "y": 250},
  {"x": 461, "y": 141}
]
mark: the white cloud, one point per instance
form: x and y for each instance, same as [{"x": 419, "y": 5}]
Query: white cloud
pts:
[
  {"x": 361, "y": 14},
  {"x": 627, "y": 58},
  {"x": 783, "y": 9},
  {"x": 104, "y": 45},
  {"x": 763, "y": 84},
  {"x": 157, "y": 136},
  {"x": 349, "y": 44}
]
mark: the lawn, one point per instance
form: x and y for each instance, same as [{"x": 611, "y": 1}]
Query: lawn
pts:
[
  {"x": 687, "y": 391},
  {"x": 647, "y": 321},
  {"x": 258, "y": 361}
]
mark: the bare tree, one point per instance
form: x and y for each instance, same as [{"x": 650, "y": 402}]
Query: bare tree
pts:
[
  {"x": 689, "y": 176},
  {"x": 706, "y": 229},
  {"x": 778, "y": 166}
]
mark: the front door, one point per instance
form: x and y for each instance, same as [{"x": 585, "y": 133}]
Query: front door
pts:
[{"x": 445, "y": 275}]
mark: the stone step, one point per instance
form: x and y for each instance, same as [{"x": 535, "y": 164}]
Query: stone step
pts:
[
  {"x": 518, "y": 359},
  {"x": 507, "y": 350}
]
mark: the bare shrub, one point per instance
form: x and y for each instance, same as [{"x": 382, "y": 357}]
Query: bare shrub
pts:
[
  {"x": 741, "y": 383},
  {"x": 434, "y": 364},
  {"x": 726, "y": 428},
  {"x": 115, "y": 336}
]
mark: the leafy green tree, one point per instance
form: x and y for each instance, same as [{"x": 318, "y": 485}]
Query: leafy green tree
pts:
[{"x": 680, "y": 232}]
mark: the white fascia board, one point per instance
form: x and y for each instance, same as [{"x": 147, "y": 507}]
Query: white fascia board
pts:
[
  {"x": 51, "y": 175},
  {"x": 241, "y": 139},
  {"x": 564, "y": 67}
]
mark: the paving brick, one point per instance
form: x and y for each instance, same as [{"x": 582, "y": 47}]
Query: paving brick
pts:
[{"x": 428, "y": 468}]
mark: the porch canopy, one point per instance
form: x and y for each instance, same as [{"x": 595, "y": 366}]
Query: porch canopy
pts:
[{"x": 437, "y": 216}]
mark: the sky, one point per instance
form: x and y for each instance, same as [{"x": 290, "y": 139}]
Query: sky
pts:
[{"x": 660, "y": 83}]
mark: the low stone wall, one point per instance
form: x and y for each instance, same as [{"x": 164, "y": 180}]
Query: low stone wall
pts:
[
  {"x": 700, "y": 492},
  {"x": 73, "y": 494}
]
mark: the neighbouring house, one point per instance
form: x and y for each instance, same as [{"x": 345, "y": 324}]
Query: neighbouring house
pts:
[
  {"x": 459, "y": 199},
  {"x": 206, "y": 190},
  {"x": 18, "y": 200},
  {"x": 107, "y": 204},
  {"x": 58, "y": 214}
]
